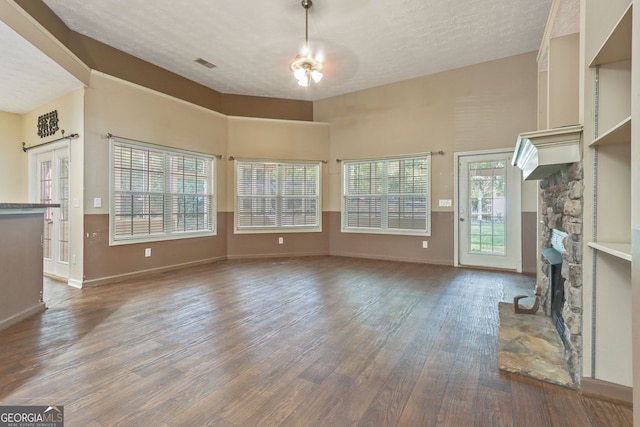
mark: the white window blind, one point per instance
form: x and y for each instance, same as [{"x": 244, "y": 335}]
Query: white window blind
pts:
[
  {"x": 159, "y": 193},
  {"x": 277, "y": 196},
  {"x": 387, "y": 195}
]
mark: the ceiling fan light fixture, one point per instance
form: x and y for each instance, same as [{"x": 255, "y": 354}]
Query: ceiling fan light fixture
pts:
[
  {"x": 316, "y": 75},
  {"x": 304, "y": 81},
  {"x": 305, "y": 67}
]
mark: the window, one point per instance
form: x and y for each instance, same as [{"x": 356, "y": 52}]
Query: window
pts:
[
  {"x": 159, "y": 193},
  {"x": 387, "y": 196},
  {"x": 277, "y": 196}
]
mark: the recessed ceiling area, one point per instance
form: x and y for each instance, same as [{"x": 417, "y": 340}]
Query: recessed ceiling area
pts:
[{"x": 364, "y": 43}]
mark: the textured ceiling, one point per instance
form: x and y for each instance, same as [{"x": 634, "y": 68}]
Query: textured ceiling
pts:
[
  {"x": 567, "y": 19},
  {"x": 28, "y": 78},
  {"x": 365, "y": 43}
]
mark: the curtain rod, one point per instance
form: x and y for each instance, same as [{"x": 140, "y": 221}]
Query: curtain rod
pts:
[
  {"x": 110, "y": 135},
  {"x": 25, "y": 148},
  {"x": 276, "y": 161},
  {"x": 426, "y": 153}
]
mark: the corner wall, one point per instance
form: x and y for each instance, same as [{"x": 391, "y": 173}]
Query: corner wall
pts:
[
  {"x": 277, "y": 140},
  {"x": 130, "y": 111}
]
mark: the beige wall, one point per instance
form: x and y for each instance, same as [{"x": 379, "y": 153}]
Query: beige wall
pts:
[
  {"x": 484, "y": 106},
  {"x": 480, "y": 107},
  {"x": 276, "y": 139},
  {"x": 130, "y": 111},
  {"x": 13, "y": 167}
]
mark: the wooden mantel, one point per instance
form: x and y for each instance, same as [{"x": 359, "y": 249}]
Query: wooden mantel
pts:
[{"x": 542, "y": 153}]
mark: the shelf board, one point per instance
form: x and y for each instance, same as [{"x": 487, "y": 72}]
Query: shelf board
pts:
[
  {"x": 619, "y": 250},
  {"x": 617, "y": 46},
  {"x": 620, "y": 133}
]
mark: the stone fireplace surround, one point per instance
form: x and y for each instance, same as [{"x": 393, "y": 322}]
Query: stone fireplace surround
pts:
[{"x": 561, "y": 206}]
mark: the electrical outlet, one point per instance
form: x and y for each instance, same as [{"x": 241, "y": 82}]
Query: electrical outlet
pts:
[
  {"x": 280, "y": 240},
  {"x": 425, "y": 244},
  {"x": 97, "y": 202},
  {"x": 444, "y": 203},
  {"x": 147, "y": 252}
]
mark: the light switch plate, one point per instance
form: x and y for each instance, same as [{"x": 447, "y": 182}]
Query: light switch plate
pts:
[{"x": 444, "y": 203}]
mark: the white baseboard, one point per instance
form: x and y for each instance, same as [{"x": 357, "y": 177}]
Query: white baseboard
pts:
[
  {"x": 75, "y": 283},
  {"x": 16, "y": 318},
  {"x": 605, "y": 390},
  {"x": 126, "y": 276}
]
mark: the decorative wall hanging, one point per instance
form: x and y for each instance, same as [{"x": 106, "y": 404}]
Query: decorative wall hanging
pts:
[{"x": 48, "y": 124}]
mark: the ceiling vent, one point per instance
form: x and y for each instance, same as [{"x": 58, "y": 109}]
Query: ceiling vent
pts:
[
  {"x": 542, "y": 153},
  {"x": 204, "y": 63}
]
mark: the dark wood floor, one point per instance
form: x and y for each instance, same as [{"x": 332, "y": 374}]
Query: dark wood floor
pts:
[{"x": 298, "y": 342}]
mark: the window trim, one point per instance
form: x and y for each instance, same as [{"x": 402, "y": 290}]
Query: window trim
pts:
[
  {"x": 165, "y": 236},
  {"x": 290, "y": 229},
  {"x": 394, "y": 231}
]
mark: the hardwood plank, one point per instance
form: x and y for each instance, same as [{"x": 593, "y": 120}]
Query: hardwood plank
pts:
[
  {"x": 301, "y": 341},
  {"x": 564, "y": 403},
  {"x": 426, "y": 399},
  {"x": 606, "y": 414},
  {"x": 324, "y": 398},
  {"x": 279, "y": 406},
  {"x": 529, "y": 406},
  {"x": 493, "y": 408}
]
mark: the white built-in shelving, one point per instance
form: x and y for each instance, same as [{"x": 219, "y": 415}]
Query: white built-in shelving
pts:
[
  {"x": 611, "y": 65},
  {"x": 618, "y": 134},
  {"x": 619, "y": 250},
  {"x": 617, "y": 46},
  {"x": 608, "y": 42}
]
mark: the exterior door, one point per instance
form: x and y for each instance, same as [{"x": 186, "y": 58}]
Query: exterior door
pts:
[
  {"x": 488, "y": 210},
  {"x": 52, "y": 186}
]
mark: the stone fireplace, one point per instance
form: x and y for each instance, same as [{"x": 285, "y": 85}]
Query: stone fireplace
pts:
[
  {"x": 552, "y": 156},
  {"x": 561, "y": 209}
]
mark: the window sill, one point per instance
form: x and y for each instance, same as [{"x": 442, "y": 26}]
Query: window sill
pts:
[
  {"x": 161, "y": 238},
  {"x": 387, "y": 232}
]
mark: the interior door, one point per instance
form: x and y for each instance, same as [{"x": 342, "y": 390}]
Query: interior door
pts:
[
  {"x": 488, "y": 210},
  {"x": 52, "y": 182}
]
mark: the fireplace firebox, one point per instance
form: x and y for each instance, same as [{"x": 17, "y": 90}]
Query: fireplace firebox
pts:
[{"x": 553, "y": 256}]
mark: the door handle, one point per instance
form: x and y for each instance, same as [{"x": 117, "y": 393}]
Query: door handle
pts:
[{"x": 461, "y": 219}]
